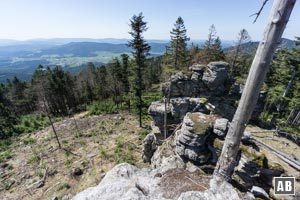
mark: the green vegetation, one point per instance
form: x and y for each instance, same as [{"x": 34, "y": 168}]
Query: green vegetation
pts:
[
  {"x": 140, "y": 51},
  {"x": 178, "y": 45},
  {"x": 199, "y": 126},
  {"x": 34, "y": 158},
  {"x": 5, "y": 144},
  {"x": 32, "y": 122},
  {"x": 105, "y": 107},
  {"x": 143, "y": 133},
  {"x": 29, "y": 141},
  {"x": 131, "y": 82},
  {"x": 257, "y": 157},
  {"x": 124, "y": 151},
  {"x": 283, "y": 86},
  {"x": 64, "y": 186},
  {"x": 4, "y": 156}
]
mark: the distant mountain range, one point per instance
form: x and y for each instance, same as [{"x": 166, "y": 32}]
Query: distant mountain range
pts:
[
  {"x": 21, "y": 58},
  {"x": 250, "y": 47}
]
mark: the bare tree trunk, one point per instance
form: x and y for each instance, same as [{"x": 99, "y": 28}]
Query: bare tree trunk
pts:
[
  {"x": 287, "y": 89},
  {"x": 50, "y": 120},
  {"x": 165, "y": 118},
  {"x": 290, "y": 83},
  {"x": 279, "y": 17}
]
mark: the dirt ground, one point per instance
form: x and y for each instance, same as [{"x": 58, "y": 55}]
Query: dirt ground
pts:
[{"x": 38, "y": 169}]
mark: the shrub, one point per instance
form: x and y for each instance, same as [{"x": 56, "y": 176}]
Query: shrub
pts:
[
  {"x": 32, "y": 122},
  {"x": 29, "y": 140},
  {"x": 102, "y": 107},
  {"x": 4, "y": 156}
]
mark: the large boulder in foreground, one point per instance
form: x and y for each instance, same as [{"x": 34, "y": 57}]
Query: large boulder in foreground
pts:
[{"x": 126, "y": 181}]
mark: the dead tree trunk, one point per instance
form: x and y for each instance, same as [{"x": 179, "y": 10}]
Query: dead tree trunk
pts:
[
  {"x": 287, "y": 89},
  {"x": 279, "y": 17},
  {"x": 51, "y": 122}
]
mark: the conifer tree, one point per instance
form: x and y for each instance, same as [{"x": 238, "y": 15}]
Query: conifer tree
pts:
[
  {"x": 178, "y": 46},
  {"x": 140, "y": 51},
  {"x": 212, "y": 49},
  {"x": 238, "y": 51},
  {"x": 7, "y": 119}
]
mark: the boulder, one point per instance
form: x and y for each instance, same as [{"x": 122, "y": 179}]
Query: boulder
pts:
[
  {"x": 259, "y": 192},
  {"x": 127, "y": 182},
  {"x": 157, "y": 112},
  {"x": 176, "y": 110},
  {"x": 216, "y": 76},
  {"x": 221, "y": 127},
  {"x": 165, "y": 158},
  {"x": 191, "y": 139},
  {"x": 221, "y": 192},
  {"x": 198, "y": 68},
  {"x": 149, "y": 147},
  {"x": 181, "y": 85},
  {"x": 179, "y": 107},
  {"x": 124, "y": 181}
]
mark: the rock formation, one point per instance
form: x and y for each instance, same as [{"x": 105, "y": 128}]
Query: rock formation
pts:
[
  {"x": 191, "y": 140},
  {"x": 149, "y": 147},
  {"x": 221, "y": 127},
  {"x": 198, "y": 113},
  {"x": 125, "y": 181}
]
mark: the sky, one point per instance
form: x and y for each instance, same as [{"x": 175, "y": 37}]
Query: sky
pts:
[{"x": 29, "y": 19}]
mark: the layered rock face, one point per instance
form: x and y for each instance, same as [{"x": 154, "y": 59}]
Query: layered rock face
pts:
[
  {"x": 203, "y": 79},
  {"x": 191, "y": 140},
  {"x": 176, "y": 110},
  {"x": 149, "y": 147},
  {"x": 215, "y": 76},
  {"x": 188, "y": 93}
]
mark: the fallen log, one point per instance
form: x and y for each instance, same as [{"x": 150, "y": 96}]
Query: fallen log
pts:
[{"x": 292, "y": 162}]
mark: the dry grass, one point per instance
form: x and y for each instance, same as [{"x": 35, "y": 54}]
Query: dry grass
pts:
[
  {"x": 188, "y": 182},
  {"x": 100, "y": 143}
]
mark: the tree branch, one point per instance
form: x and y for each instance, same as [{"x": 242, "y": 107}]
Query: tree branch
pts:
[{"x": 258, "y": 13}]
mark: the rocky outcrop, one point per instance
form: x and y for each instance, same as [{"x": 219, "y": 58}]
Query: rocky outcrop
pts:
[
  {"x": 149, "y": 147},
  {"x": 180, "y": 85},
  {"x": 215, "y": 76},
  {"x": 254, "y": 169},
  {"x": 165, "y": 158},
  {"x": 202, "y": 79},
  {"x": 259, "y": 192},
  {"x": 126, "y": 181},
  {"x": 191, "y": 140},
  {"x": 176, "y": 110},
  {"x": 224, "y": 191},
  {"x": 221, "y": 127},
  {"x": 157, "y": 112}
]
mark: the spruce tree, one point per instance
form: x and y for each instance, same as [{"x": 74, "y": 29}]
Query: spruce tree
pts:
[
  {"x": 212, "y": 49},
  {"x": 140, "y": 51},
  {"x": 178, "y": 46},
  {"x": 7, "y": 118},
  {"x": 238, "y": 52}
]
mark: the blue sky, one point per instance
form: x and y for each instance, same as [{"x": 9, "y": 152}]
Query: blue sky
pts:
[{"x": 27, "y": 19}]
